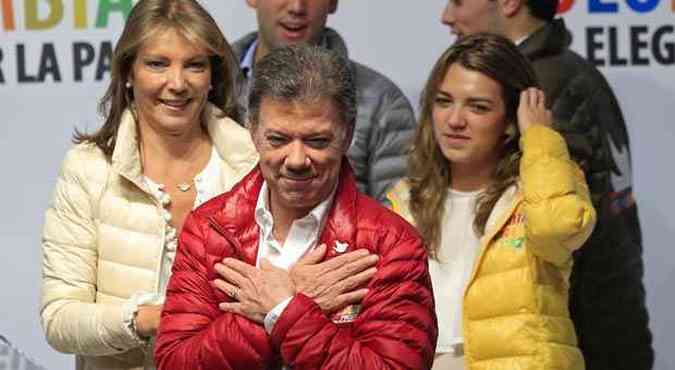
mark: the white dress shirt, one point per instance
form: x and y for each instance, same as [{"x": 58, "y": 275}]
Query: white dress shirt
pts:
[{"x": 302, "y": 237}]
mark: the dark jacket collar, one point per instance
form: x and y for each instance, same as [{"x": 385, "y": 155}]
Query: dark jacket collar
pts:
[
  {"x": 551, "y": 39},
  {"x": 329, "y": 39}
]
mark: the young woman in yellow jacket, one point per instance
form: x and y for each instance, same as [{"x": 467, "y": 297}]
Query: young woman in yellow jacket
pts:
[{"x": 493, "y": 191}]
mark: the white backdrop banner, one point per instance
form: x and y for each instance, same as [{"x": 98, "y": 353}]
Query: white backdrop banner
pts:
[{"x": 55, "y": 64}]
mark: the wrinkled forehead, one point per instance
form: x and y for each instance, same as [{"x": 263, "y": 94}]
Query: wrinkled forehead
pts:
[{"x": 316, "y": 114}]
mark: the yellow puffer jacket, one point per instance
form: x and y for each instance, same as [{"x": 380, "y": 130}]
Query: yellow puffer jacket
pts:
[
  {"x": 515, "y": 304},
  {"x": 103, "y": 241}
]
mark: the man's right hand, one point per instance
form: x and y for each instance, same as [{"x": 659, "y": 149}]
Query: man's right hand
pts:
[
  {"x": 147, "y": 320},
  {"x": 333, "y": 284}
]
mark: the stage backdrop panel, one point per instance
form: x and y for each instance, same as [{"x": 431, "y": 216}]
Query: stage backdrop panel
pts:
[{"x": 55, "y": 63}]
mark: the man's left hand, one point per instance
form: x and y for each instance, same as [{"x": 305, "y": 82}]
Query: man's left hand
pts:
[{"x": 255, "y": 291}]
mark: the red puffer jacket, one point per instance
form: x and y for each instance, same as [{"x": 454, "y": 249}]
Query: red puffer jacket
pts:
[{"x": 396, "y": 325}]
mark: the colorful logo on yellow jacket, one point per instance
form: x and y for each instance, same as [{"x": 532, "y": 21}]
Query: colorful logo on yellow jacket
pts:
[{"x": 513, "y": 234}]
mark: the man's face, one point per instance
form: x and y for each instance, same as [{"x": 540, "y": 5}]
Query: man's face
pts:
[
  {"x": 467, "y": 17},
  {"x": 301, "y": 146},
  {"x": 286, "y": 22}
]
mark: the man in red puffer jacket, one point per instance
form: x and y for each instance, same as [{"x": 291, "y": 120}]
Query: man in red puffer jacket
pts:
[{"x": 234, "y": 302}]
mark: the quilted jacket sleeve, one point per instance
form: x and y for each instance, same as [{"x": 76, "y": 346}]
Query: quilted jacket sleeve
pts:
[
  {"x": 559, "y": 211},
  {"x": 72, "y": 321},
  {"x": 194, "y": 333},
  {"x": 391, "y": 134},
  {"x": 607, "y": 296},
  {"x": 396, "y": 328}
]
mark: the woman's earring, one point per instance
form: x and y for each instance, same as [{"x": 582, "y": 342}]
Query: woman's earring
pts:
[
  {"x": 510, "y": 133},
  {"x": 128, "y": 85}
]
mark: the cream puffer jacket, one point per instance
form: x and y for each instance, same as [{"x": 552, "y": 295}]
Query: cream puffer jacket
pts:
[{"x": 103, "y": 241}]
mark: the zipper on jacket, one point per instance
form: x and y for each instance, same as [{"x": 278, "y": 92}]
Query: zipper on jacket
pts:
[
  {"x": 479, "y": 262},
  {"x": 162, "y": 249}
]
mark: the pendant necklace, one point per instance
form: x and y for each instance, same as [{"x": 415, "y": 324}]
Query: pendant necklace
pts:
[
  {"x": 185, "y": 186},
  {"x": 182, "y": 186}
]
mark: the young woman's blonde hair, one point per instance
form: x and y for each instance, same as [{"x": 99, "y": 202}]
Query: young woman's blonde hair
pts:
[
  {"x": 147, "y": 19},
  {"x": 428, "y": 169}
]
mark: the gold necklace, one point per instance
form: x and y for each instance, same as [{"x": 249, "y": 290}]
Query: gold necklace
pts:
[
  {"x": 182, "y": 186},
  {"x": 185, "y": 186}
]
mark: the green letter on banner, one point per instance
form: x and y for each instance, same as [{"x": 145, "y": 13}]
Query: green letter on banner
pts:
[{"x": 105, "y": 7}]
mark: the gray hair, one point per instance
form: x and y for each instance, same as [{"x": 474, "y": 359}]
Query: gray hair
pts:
[{"x": 304, "y": 73}]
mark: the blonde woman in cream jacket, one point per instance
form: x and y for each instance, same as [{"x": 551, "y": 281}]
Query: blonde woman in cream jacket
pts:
[{"x": 166, "y": 146}]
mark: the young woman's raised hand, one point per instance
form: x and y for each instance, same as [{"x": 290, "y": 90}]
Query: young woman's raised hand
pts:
[{"x": 532, "y": 109}]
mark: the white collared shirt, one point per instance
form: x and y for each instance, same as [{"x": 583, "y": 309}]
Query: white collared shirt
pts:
[
  {"x": 524, "y": 38},
  {"x": 521, "y": 40},
  {"x": 248, "y": 60},
  {"x": 302, "y": 237}
]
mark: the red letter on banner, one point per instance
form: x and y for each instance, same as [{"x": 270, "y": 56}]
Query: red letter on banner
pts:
[
  {"x": 565, "y": 5},
  {"x": 8, "y": 15}
]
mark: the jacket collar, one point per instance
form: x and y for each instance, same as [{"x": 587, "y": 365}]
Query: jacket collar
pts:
[
  {"x": 232, "y": 143},
  {"x": 236, "y": 217},
  {"x": 343, "y": 216},
  {"x": 502, "y": 211},
  {"x": 551, "y": 39},
  {"x": 126, "y": 158},
  {"x": 329, "y": 39}
]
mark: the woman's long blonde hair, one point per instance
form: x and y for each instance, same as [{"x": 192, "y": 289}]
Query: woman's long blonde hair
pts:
[
  {"x": 147, "y": 18},
  {"x": 428, "y": 169}
]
